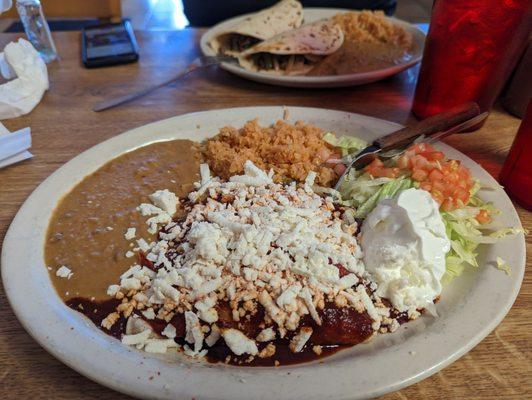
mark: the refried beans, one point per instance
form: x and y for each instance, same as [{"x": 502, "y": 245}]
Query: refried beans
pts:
[{"x": 86, "y": 232}]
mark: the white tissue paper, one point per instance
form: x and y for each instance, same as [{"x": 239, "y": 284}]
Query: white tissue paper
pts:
[
  {"x": 14, "y": 146},
  {"x": 5, "y": 5},
  {"x": 16, "y": 97},
  {"x": 19, "y": 96}
]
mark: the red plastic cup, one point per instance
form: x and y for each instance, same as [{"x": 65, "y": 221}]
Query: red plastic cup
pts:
[
  {"x": 516, "y": 174},
  {"x": 471, "y": 48}
]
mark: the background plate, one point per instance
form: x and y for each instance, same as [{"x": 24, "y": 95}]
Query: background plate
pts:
[
  {"x": 310, "y": 15},
  {"x": 470, "y": 308}
]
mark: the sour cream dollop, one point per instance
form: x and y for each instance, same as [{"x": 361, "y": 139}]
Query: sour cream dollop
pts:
[{"x": 405, "y": 244}]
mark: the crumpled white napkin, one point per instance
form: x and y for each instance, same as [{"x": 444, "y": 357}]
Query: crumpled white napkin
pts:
[
  {"x": 20, "y": 95},
  {"x": 5, "y": 5},
  {"x": 14, "y": 146}
]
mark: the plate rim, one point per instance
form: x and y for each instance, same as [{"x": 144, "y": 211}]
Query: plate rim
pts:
[
  {"x": 45, "y": 342},
  {"x": 321, "y": 81}
]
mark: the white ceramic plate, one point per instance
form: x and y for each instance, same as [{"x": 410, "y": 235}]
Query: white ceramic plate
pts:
[
  {"x": 469, "y": 309},
  {"x": 310, "y": 15}
]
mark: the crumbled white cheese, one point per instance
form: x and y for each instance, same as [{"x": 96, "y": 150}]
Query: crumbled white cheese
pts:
[
  {"x": 131, "y": 271},
  {"x": 130, "y": 233},
  {"x": 266, "y": 335},
  {"x": 160, "y": 216},
  {"x": 191, "y": 353},
  {"x": 309, "y": 180},
  {"x": 274, "y": 312},
  {"x": 205, "y": 173},
  {"x": 112, "y": 290},
  {"x": 130, "y": 284},
  {"x": 160, "y": 346},
  {"x": 169, "y": 331},
  {"x": 238, "y": 342},
  {"x": 307, "y": 298},
  {"x": 64, "y": 272},
  {"x": 165, "y": 200},
  {"x": 368, "y": 304},
  {"x": 288, "y": 297},
  {"x": 143, "y": 245},
  {"x": 213, "y": 336},
  {"x": 253, "y": 176},
  {"x": 347, "y": 281},
  {"x": 206, "y": 310},
  {"x": 194, "y": 335},
  {"x": 298, "y": 341},
  {"x": 137, "y": 338},
  {"x": 149, "y": 313}
]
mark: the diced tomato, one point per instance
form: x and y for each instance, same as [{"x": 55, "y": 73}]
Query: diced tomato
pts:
[
  {"x": 419, "y": 175},
  {"x": 462, "y": 183},
  {"x": 425, "y": 186},
  {"x": 447, "y": 181},
  {"x": 410, "y": 153},
  {"x": 462, "y": 195},
  {"x": 435, "y": 175},
  {"x": 418, "y": 162},
  {"x": 420, "y": 148},
  {"x": 376, "y": 172},
  {"x": 402, "y": 162},
  {"x": 447, "y": 205},
  {"x": 377, "y": 163},
  {"x": 452, "y": 177},
  {"x": 339, "y": 169},
  {"x": 454, "y": 165},
  {"x": 464, "y": 173},
  {"x": 483, "y": 217},
  {"x": 435, "y": 156},
  {"x": 370, "y": 171},
  {"x": 391, "y": 172},
  {"x": 437, "y": 196},
  {"x": 371, "y": 167}
]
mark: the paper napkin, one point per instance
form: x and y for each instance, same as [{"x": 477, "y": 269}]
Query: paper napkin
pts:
[
  {"x": 14, "y": 146},
  {"x": 19, "y": 96}
]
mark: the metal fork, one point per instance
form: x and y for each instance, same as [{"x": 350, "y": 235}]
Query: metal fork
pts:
[
  {"x": 200, "y": 62},
  {"x": 373, "y": 151}
]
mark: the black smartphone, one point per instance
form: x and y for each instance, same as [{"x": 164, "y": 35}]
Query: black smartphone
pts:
[{"x": 108, "y": 44}]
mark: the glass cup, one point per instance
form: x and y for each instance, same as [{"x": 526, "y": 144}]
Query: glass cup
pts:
[
  {"x": 516, "y": 174},
  {"x": 471, "y": 49}
]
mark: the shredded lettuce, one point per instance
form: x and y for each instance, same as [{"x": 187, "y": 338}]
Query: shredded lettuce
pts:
[
  {"x": 466, "y": 234},
  {"x": 503, "y": 266},
  {"x": 347, "y": 144},
  {"x": 358, "y": 187},
  {"x": 507, "y": 231},
  {"x": 386, "y": 191}
]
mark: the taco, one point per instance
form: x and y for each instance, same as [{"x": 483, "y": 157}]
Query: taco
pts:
[
  {"x": 294, "y": 52},
  {"x": 263, "y": 25}
]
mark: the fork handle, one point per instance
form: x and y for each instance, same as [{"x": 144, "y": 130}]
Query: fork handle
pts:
[{"x": 429, "y": 126}]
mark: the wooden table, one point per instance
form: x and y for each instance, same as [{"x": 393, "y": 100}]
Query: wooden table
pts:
[{"x": 63, "y": 125}]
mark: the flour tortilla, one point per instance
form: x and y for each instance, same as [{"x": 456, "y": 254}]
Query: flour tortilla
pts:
[
  {"x": 310, "y": 43},
  {"x": 263, "y": 25}
]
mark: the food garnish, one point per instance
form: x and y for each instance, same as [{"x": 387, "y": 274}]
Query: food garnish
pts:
[{"x": 466, "y": 216}]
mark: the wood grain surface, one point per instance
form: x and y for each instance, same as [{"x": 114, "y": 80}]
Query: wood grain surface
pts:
[{"x": 63, "y": 125}]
